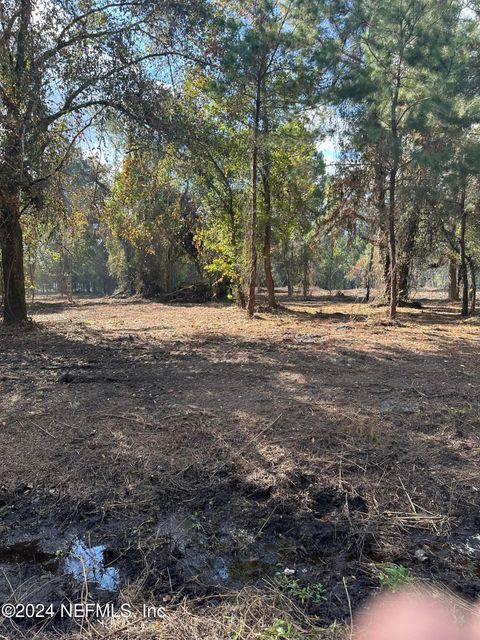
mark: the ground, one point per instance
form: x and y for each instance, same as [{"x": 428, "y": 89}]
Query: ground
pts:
[{"x": 200, "y": 454}]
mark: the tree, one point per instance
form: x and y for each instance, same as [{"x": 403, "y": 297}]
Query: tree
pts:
[
  {"x": 56, "y": 66},
  {"x": 397, "y": 53},
  {"x": 297, "y": 184},
  {"x": 271, "y": 67},
  {"x": 152, "y": 221}
]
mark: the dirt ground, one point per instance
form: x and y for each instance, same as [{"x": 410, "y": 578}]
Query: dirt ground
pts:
[{"x": 204, "y": 453}]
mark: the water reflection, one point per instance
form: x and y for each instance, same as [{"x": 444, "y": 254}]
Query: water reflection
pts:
[{"x": 87, "y": 564}]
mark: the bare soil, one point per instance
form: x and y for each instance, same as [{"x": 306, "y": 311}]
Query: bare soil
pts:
[{"x": 205, "y": 451}]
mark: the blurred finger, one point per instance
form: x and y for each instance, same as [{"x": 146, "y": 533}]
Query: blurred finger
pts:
[{"x": 407, "y": 616}]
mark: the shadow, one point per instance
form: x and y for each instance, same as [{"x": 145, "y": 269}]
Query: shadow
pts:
[
  {"x": 433, "y": 312},
  {"x": 48, "y": 305},
  {"x": 315, "y": 316},
  {"x": 282, "y": 296}
]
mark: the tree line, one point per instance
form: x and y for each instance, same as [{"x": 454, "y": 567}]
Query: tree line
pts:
[{"x": 209, "y": 119}]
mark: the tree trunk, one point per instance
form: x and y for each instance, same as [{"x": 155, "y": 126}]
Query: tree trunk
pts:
[
  {"x": 287, "y": 265},
  {"x": 369, "y": 274},
  {"x": 306, "y": 273},
  {"x": 392, "y": 242},
  {"x": 267, "y": 241},
  {"x": 62, "y": 266},
  {"x": 15, "y": 307},
  {"x": 473, "y": 277},
  {"x": 380, "y": 191},
  {"x": 385, "y": 267},
  {"x": 129, "y": 275},
  {"x": 463, "y": 257},
  {"x": 453, "y": 293},
  {"x": 241, "y": 301},
  {"x": 252, "y": 275},
  {"x": 69, "y": 277},
  {"x": 403, "y": 281},
  {"x": 330, "y": 266},
  {"x": 31, "y": 273},
  {"x": 12, "y": 177},
  {"x": 267, "y": 205},
  {"x": 267, "y": 265},
  {"x": 392, "y": 250},
  {"x": 289, "y": 286},
  {"x": 169, "y": 268},
  {"x": 404, "y": 270},
  {"x": 237, "y": 274}
]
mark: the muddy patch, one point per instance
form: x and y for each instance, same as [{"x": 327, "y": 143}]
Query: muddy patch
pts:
[
  {"x": 307, "y": 547},
  {"x": 49, "y": 557},
  {"x": 205, "y": 560}
]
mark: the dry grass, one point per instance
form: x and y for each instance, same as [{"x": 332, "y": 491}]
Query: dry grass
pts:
[{"x": 250, "y": 614}]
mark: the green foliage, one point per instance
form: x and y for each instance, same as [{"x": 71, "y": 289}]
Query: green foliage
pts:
[
  {"x": 336, "y": 259},
  {"x": 394, "y": 576},
  {"x": 394, "y": 84},
  {"x": 307, "y": 593},
  {"x": 66, "y": 242},
  {"x": 152, "y": 224},
  {"x": 279, "y": 630}
]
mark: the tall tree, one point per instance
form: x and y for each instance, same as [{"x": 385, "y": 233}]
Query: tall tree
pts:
[
  {"x": 272, "y": 66},
  {"x": 59, "y": 62},
  {"x": 397, "y": 53}
]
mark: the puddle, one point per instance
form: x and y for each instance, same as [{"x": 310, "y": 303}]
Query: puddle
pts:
[
  {"x": 221, "y": 569},
  {"x": 87, "y": 564},
  {"x": 25, "y": 551},
  {"x": 250, "y": 569},
  {"x": 232, "y": 556},
  {"x": 179, "y": 530}
]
